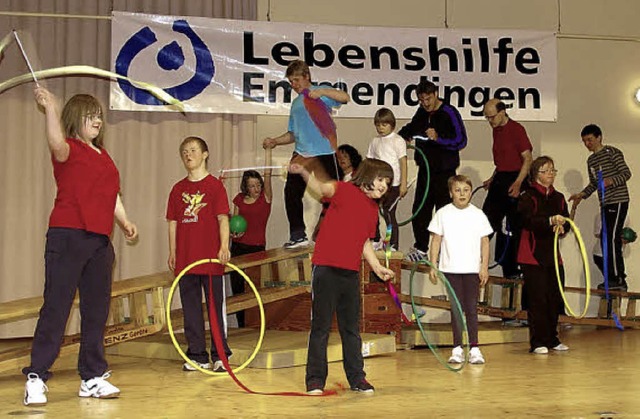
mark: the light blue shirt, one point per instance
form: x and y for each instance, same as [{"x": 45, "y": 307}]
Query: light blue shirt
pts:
[{"x": 309, "y": 141}]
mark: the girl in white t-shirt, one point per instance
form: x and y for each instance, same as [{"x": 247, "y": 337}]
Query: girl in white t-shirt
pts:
[{"x": 460, "y": 248}]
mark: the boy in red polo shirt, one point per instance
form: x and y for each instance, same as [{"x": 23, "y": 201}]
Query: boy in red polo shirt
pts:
[{"x": 350, "y": 220}]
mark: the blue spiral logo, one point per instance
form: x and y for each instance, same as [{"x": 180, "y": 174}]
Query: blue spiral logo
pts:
[{"x": 170, "y": 58}]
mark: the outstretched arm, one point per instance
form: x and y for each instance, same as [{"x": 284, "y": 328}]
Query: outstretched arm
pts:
[
  {"x": 55, "y": 134},
  {"x": 325, "y": 189},
  {"x": 335, "y": 94},
  {"x": 268, "y": 191},
  {"x": 286, "y": 138}
]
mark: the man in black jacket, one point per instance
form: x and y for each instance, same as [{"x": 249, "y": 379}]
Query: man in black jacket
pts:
[{"x": 439, "y": 133}]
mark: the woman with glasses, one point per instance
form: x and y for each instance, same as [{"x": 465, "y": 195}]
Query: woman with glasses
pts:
[
  {"x": 543, "y": 211},
  {"x": 78, "y": 252}
]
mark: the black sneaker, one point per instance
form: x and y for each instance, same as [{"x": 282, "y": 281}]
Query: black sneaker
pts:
[
  {"x": 615, "y": 286},
  {"x": 618, "y": 286},
  {"x": 295, "y": 244},
  {"x": 315, "y": 388},
  {"x": 363, "y": 386}
]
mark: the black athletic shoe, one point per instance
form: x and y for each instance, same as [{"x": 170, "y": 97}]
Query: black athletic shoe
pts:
[
  {"x": 363, "y": 386},
  {"x": 315, "y": 388}
]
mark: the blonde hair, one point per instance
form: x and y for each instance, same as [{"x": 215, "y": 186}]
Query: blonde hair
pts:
[{"x": 460, "y": 179}]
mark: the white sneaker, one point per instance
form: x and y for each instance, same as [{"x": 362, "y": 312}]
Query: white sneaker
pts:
[
  {"x": 541, "y": 350},
  {"x": 218, "y": 366},
  {"x": 561, "y": 347},
  {"x": 475, "y": 356},
  {"x": 34, "y": 391},
  {"x": 298, "y": 243},
  {"x": 457, "y": 355},
  {"x": 188, "y": 367},
  {"x": 99, "y": 388},
  {"x": 415, "y": 255}
]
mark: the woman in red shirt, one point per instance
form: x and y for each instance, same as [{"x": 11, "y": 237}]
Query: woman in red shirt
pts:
[{"x": 78, "y": 252}]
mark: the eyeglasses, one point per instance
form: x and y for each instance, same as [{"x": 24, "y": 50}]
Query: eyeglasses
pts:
[
  {"x": 552, "y": 171},
  {"x": 93, "y": 116},
  {"x": 490, "y": 117}
]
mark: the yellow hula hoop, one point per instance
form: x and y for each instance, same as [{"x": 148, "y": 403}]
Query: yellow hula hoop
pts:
[
  {"x": 170, "y": 327},
  {"x": 587, "y": 272}
]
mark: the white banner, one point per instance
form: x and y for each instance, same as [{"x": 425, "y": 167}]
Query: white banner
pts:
[{"x": 238, "y": 66}]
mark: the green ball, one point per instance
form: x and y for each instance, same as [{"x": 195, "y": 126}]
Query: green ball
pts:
[
  {"x": 628, "y": 234},
  {"x": 237, "y": 224}
]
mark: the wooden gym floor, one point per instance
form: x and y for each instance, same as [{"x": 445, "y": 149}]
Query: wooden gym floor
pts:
[{"x": 597, "y": 378}]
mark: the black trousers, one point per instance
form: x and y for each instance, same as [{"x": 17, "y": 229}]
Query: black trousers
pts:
[
  {"x": 467, "y": 289},
  {"x": 237, "y": 281},
  {"x": 335, "y": 290},
  {"x": 498, "y": 205},
  {"x": 74, "y": 260},
  {"x": 191, "y": 287},
  {"x": 437, "y": 198},
  {"x": 615, "y": 216},
  {"x": 544, "y": 304},
  {"x": 324, "y": 167}
]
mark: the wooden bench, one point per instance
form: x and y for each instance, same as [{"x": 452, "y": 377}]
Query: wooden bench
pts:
[
  {"x": 276, "y": 266},
  {"x": 510, "y": 307}
]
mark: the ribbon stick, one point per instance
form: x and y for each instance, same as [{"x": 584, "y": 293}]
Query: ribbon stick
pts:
[
  {"x": 6, "y": 41},
  {"x": 396, "y": 299},
  {"x": 413, "y": 181},
  {"x": 605, "y": 250},
  {"x": 91, "y": 71},
  {"x": 242, "y": 169},
  {"x": 390, "y": 287},
  {"x": 26, "y": 59},
  {"x": 421, "y": 138},
  {"x": 320, "y": 114}
]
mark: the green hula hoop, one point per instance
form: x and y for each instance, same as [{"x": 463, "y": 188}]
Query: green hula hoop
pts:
[
  {"x": 426, "y": 191},
  {"x": 454, "y": 302},
  {"x": 170, "y": 327}
]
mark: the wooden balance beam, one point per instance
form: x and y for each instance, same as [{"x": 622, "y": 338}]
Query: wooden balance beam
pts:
[
  {"x": 510, "y": 307},
  {"x": 145, "y": 320}
]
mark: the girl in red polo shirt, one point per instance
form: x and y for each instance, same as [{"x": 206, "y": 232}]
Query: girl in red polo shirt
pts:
[
  {"x": 254, "y": 204},
  {"x": 342, "y": 241},
  {"x": 78, "y": 252},
  {"x": 198, "y": 217}
]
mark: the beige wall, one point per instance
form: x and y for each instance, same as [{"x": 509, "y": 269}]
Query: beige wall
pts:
[{"x": 598, "y": 73}]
